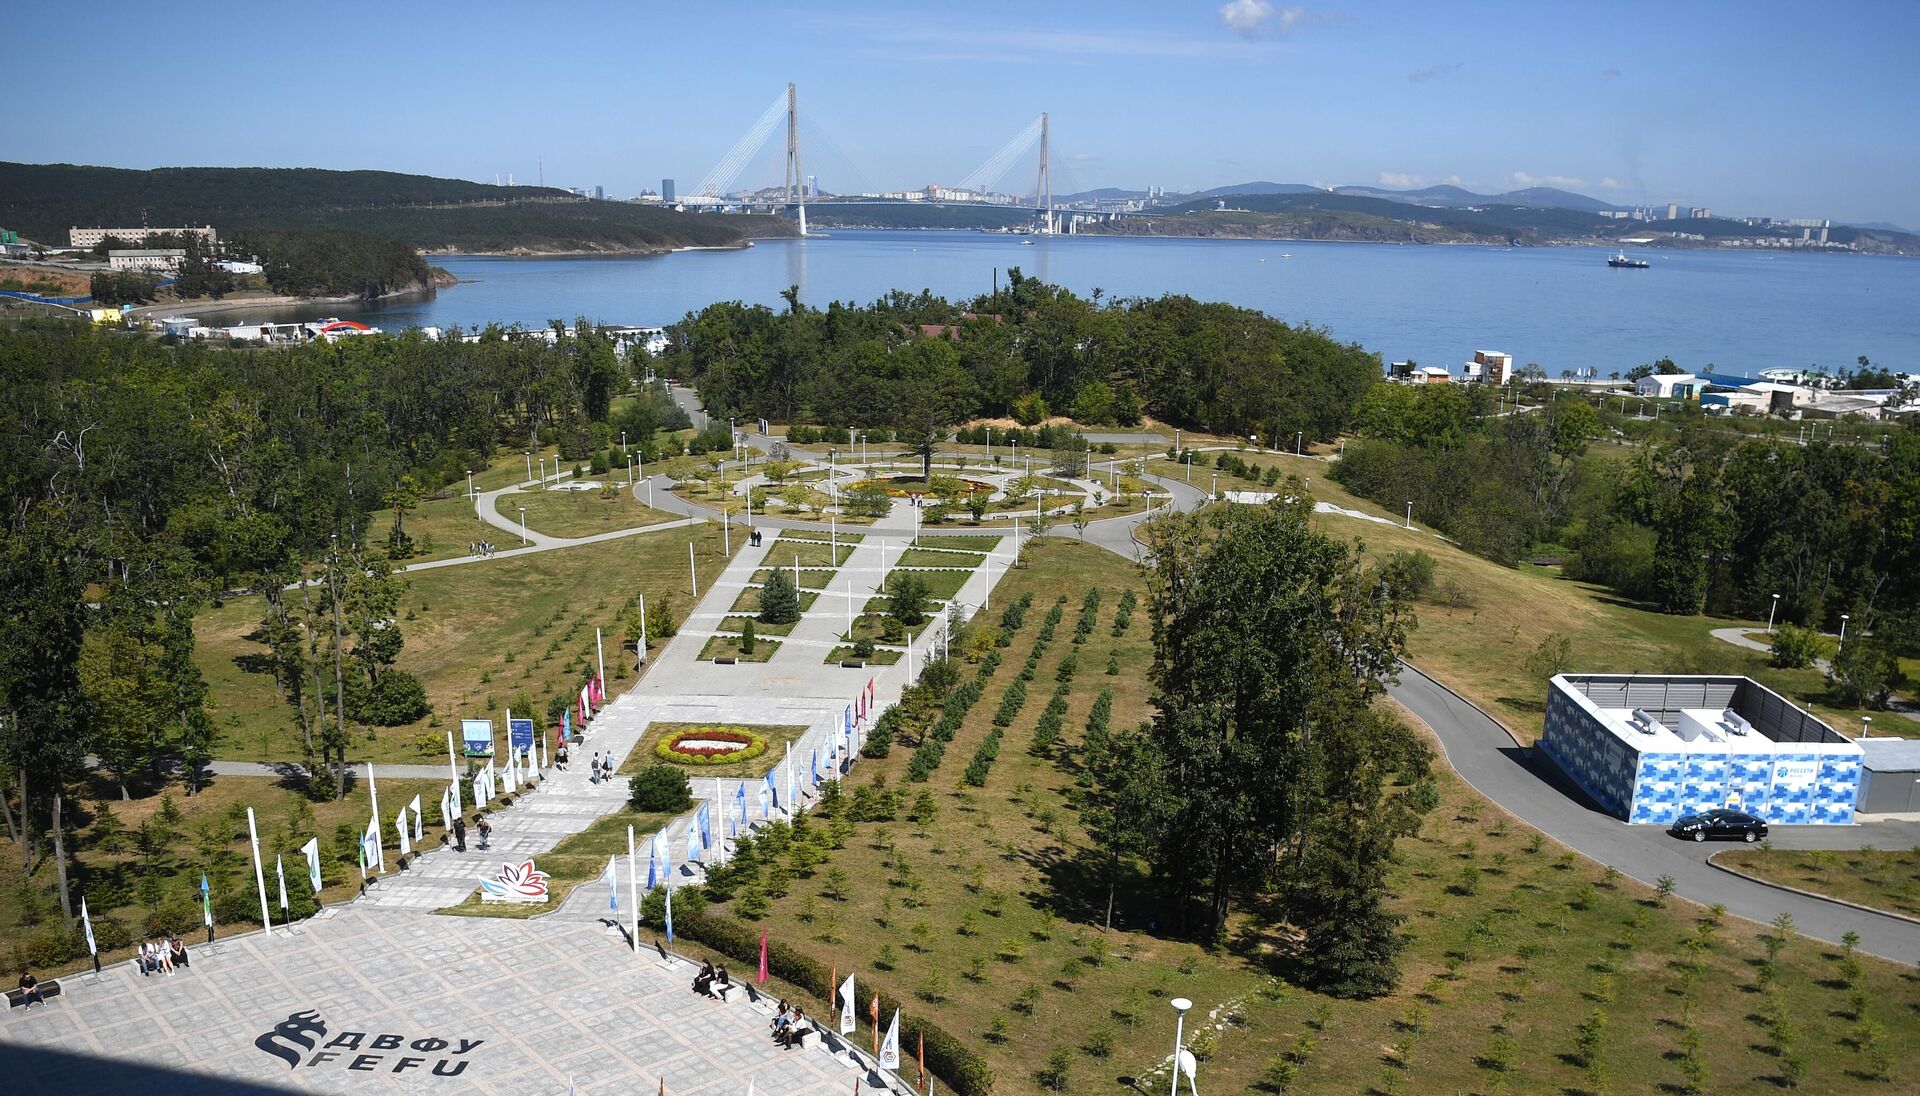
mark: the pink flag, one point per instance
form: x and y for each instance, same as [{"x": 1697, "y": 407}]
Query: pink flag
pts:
[{"x": 763, "y": 955}]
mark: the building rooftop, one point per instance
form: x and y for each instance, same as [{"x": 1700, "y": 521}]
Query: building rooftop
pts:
[
  {"x": 1700, "y": 714},
  {"x": 1890, "y": 755}
]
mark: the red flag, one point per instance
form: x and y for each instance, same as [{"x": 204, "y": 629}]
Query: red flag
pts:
[
  {"x": 922, "y": 1082},
  {"x": 873, "y": 1010},
  {"x": 763, "y": 955}
]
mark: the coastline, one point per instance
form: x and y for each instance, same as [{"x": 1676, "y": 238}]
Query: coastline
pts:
[{"x": 242, "y": 304}]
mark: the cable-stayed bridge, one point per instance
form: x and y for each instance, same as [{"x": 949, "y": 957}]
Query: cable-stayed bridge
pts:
[{"x": 972, "y": 191}]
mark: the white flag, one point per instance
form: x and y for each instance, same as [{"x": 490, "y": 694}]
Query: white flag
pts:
[
  {"x": 418, "y": 833},
  {"x": 370, "y": 842},
  {"x": 280, "y": 872},
  {"x": 612, "y": 878},
  {"x": 693, "y": 844},
  {"x": 446, "y": 807},
  {"x": 890, "y": 1046},
  {"x": 86, "y": 925},
  {"x": 312, "y": 849},
  {"x": 480, "y": 789},
  {"x": 400, "y": 825},
  {"x": 846, "y": 1005}
]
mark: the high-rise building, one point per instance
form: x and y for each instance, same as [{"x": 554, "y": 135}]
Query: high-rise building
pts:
[
  {"x": 1673, "y": 211},
  {"x": 1699, "y": 213},
  {"x": 666, "y": 190},
  {"x": 599, "y": 193}
]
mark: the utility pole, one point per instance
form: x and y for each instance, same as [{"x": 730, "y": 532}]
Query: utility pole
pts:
[
  {"x": 1043, "y": 186},
  {"x": 795, "y": 180}
]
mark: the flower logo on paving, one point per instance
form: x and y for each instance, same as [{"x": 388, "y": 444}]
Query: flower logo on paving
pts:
[{"x": 524, "y": 883}]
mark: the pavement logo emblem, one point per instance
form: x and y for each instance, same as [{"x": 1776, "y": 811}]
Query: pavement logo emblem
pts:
[{"x": 299, "y": 1029}]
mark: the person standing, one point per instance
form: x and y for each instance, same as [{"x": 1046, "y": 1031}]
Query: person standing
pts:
[
  {"x": 593, "y": 769},
  {"x": 459, "y": 834},
  {"x": 485, "y": 828}
]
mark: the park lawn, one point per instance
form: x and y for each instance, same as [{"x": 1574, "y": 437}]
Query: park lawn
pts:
[
  {"x": 578, "y": 513},
  {"x": 1886, "y": 879},
  {"x": 820, "y": 536},
  {"x": 731, "y": 646},
  {"x": 984, "y": 543},
  {"x": 760, "y": 627},
  {"x": 749, "y": 602},
  {"x": 508, "y": 467},
  {"x": 477, "y": 635},
  {"x": 441, "y": 528},
  {"x": 778, "y": 735},
  {"x": 881, "y": 656},
  {"x": 579, "y": 859},
  {"x": 988, "y": 920},
  {"x": 786, "y": 550},
  {"x": 1480, "y": 621},
  {"x": 212, "y": 837},
  {"x": 943, "y": 557}
]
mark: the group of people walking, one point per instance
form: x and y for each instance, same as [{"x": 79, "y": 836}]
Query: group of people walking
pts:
[
  {"x": 482, "y": 829},
  {"x": 481, "y": 548},
  {"x": 602, "y": 768}
]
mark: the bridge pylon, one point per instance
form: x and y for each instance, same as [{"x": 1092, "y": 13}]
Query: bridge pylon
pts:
[
  {"x": 1043, "y": 187},
  {"x": 796, "y": 182}
]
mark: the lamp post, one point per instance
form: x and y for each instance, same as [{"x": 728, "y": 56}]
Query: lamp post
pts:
[
  {"x": 833, "y": 457},
  {"x": 1774, "y": 609},
  {"x": 1180, "y": 1007},
  {"x": 1298, "y": 437},
  {"x": 523, "y": 525},
  {"x": 1409, "y": 513},
  {"x": 1866, "y": 726},
  {"x": 529, "y": 454},
  {"x": 541, "y": 483},
  {"x": 1844, "y": 617},
  {"x": 1215, "y": 491},
  {"x": 469, "y": 485}
]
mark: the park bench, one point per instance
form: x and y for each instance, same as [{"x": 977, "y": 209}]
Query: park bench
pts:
[
  {"x": 724, "y": 660},
  {"x": 727, "y": 992},
  {"x": 48, "y": 989}
]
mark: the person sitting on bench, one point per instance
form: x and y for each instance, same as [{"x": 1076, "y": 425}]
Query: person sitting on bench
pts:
[
  {"x": 177, "y": 950},
  {"x": 796, "y": 1030},
  {"x": 703, "y": 982},
  {"x": 29, "y": 990},
  {"x": 721, "y": 979}
]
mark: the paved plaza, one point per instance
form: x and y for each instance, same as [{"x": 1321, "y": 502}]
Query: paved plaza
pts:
[{"x": 389, "y": 1001}]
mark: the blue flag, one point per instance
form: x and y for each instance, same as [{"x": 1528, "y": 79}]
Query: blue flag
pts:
[
  {"x": 566, "y": 725},
  {"x": 773, "y": 789},
  {"x": 740, "y": 806},
  {"x": 815, "y": 764},
  {"x": 653, "y": 862},
  {"x": 704, "y": 818},
  {"x": 669, "y": 915}
]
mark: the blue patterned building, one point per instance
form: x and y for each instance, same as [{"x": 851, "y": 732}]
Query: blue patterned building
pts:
[{"x": 1651, "y": 749}]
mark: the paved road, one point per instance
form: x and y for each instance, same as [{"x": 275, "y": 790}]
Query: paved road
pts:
[{"x": 1529, "y": 785}]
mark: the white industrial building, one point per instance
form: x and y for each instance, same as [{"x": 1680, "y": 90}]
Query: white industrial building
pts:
[{"x": 165, "y": 260}]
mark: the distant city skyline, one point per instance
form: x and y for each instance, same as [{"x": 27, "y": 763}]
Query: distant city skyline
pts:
[{"x": 1749, "y": 109}]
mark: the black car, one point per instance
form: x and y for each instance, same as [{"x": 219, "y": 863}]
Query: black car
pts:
[{"x": 1720, "y": 825}]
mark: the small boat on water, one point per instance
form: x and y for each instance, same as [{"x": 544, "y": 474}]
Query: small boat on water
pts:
[
  {"x": 1026, "y": 243},
  {"x": 1620, "y": 260}
]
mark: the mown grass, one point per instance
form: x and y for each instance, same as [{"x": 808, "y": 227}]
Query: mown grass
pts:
[
  {"x": 578, "y": 513},
  {"x": 477, "y": 635},
  {"x": 1886, "y": 879},
  {"x": 734, "y": 647},
  {"x": 989, "y": 917}
]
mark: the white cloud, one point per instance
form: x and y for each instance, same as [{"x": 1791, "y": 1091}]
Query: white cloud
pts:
[
  {"x": 1403, "y": 180},
  {"x": 1433, "y": 72},
  {"x": 1251, "y": 17},
  {"x": 1520, "y": 180},
  {"x": 1609, "y": 183}
]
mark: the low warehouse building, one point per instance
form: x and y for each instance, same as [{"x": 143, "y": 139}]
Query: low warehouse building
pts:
[
  {"x": 1892, "y": 781},
  {"x": 1652, "y": 748}
]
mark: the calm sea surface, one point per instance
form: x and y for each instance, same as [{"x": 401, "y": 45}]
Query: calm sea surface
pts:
[{"x": 1563, "y": 308}]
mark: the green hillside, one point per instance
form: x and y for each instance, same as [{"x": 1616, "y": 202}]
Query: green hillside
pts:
[{"x": 41, "y": 201}]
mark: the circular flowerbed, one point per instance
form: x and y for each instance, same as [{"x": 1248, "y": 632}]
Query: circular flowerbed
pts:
[
  {"x": 905, "y": 486},
  {"x": 710, "y": 746}
]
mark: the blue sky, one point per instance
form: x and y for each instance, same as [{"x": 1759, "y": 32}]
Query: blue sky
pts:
[{"x": 1782, "y": 109}]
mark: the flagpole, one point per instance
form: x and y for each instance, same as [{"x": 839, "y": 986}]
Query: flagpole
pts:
[
  {"x": 633, "y": 893},
  {"x": 600, "y": 654},
  {"x": 259, "y": 876},
  {"x": 373, "y": 792}
]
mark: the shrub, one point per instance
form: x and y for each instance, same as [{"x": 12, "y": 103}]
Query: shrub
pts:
[
  {"x": 398, "y": 699},
  {"x": 747, "y": 638},
  {"x": 1796, "y": 648},
  {"x": 907, "y": 598},
  {"x": 1408, "y": 574},
  {"x": 660, "y": 787}
]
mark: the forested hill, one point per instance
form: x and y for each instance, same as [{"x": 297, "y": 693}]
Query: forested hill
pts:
[{"x": 42, "y": 201}]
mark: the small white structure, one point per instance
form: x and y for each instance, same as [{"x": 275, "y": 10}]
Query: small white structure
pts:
[
  {"x": 164, "y": 260},
  {"x": 1667, "y": 386}
]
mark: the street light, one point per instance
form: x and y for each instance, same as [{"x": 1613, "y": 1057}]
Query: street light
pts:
[
  {"x": 833, "y": 456},
  {"x": 1409, "y": 513},
  {"x": 1866, "y": 726},
  {"x": 469, "y": 485},
  {"x": 1774, "y": 609},
  {"x": 1180, "y": 1007},
  {"x": 523, "y": 525},
  {"x": 1844, "y": 617},
  {"x": 1298, "y": 437},
  {"x": 1215, "y": 491},
  {"x": 529, "y": 454}
]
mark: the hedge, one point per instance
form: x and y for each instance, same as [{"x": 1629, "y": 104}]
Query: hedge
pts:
[{"x": 963, "y": 1071}]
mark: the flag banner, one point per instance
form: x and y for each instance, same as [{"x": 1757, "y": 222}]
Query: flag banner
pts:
[
  {"x": 704, "y": 819},
  {"x": 446, "y": 806},
  {"x": 86, "y": 925},
  {"x": 873, "y": 1013},
  {"x": 653, "y": 861},
  {"x": 312, "y": 850},
  {"x": 669, "y": 916},
  {"x": 520, "y": 733},
  {"x": 693, "y": 846},
  {"x": 772, "y": 792},
  {"x": 206, "y": 900},
  {"x": 766, "y": 803},
  {"x": 761, "y": 977},
  {"x": 847, "y": 725},
  {"x": 280, "y": 872},
  {"x": 813, "y": 764},
  {"x": 406, "y": 838},
  {"x": 613, "y": 887},
  {"x": 478, "y": 736},
  {"x": 479, "y": 790},
  {"x": 566, "y": 726},
  {"x": 739, "y": 807},
  {"x": 414, "y": 806},
  {"x": 370, "y": 842},
  {"x": 846, "y": 1006},
  {"x": 586, "y": 706},
  {"x": 890, "y": 1046}
]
